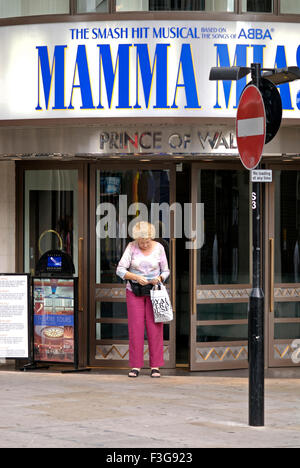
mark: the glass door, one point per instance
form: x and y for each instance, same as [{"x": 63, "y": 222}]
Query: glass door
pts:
[
  {"x": 51, "y": 215},
  {"x": 119, "y": 196},
  {"x": 220, "y": 268},
  {"x": 283, "y": 265}
]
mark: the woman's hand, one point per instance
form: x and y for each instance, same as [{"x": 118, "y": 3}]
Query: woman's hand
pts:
[
  {"x": 138, "y": 278},
  {"x": 156, "y": 280},
  {"x": 142, "y": 280}
]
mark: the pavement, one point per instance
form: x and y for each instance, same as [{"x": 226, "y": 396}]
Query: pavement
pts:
[{"x": 106, "y": 409}]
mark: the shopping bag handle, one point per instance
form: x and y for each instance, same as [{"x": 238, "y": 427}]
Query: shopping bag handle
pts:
[{"x": 158, "y": 285}]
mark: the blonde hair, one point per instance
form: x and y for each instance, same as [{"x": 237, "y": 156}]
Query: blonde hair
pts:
[{"x": 143, "y": 230}]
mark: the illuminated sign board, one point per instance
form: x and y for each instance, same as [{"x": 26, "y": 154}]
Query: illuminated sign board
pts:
[{"x": 137, "y": 68}]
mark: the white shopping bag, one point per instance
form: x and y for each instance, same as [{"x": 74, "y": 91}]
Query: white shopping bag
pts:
[{"x": 162, "y": 307}]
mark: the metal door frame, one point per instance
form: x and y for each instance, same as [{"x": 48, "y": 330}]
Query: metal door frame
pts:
[
  {"x": 278, "y": 352},
  {"x": 220, "y": 355},
  {"x": 116, "y": 354},
  {"x": 81, "y": 167}
]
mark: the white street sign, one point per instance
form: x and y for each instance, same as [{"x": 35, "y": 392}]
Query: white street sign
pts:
[{"x": 261, "y": 175}]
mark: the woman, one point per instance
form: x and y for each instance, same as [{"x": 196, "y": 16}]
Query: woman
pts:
[{"x": 144, "y": 262}]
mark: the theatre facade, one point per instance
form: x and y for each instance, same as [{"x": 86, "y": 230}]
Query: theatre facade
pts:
[{"x": 109, "y": 117}]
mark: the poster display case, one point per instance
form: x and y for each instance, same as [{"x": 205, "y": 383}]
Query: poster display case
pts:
[{"x": 55, "y": 320}]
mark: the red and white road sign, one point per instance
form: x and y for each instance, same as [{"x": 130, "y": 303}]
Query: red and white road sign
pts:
[{"x": 251, "y": 127}]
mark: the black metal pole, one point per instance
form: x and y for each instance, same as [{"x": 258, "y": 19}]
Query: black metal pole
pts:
[
  {"x": 256, "y": 305},
  {"x": 256, "y": 321}
]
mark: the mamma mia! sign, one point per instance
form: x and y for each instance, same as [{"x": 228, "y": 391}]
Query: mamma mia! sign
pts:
[{"x": 137, "y": 69}]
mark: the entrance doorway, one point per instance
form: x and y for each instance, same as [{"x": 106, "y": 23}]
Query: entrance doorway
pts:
[
  {"x": 283, "y": 264},
  {"x": 219, "y": 268},
  {"x": 51, "y": 215},
  {"x": 183, "y": 195},
  {"x": 209, "y": 282},
  {"x": 67, "y": 205},
  {"x": 119, "y": 196}
]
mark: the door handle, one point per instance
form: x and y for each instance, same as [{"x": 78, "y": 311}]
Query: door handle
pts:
[
  {"x": 173, "y": 273},
  {"x": 80, "y": 274},
  {"x": 271, "y": 241},
  {"x": 49, "y": 231},
  {"x": 194, "y": 279}
]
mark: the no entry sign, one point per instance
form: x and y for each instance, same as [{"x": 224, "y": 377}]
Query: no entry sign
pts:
[{"x": 251, "y": 127}]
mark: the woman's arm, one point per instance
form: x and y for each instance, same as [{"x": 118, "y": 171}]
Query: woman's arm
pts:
[
  {"x": 164, "y": 267},
  {"x": 124, "y": 265},
  {"x": 133, "y": 277}
]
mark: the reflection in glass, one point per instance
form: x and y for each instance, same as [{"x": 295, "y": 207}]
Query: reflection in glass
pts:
[
  {"x": 92, "y": 6},
  {"x": 114, "y": 310},
  {"x": 217, "y": 311},
  {"x": 224, "y": 257},
  {"x": 51, "y": 214},
  {"x": 192, "y": 5},
  {"x": 287, "y": 310},
  {"x": 112, "y": 331},
  {"x": 119, "y": 331},
  {"x": 132, "y": 5},
  {"x": 257, "y": 6},
  {"x": 216, "y": 333},
  {"x": 121, "y": 197},
  {"x": 17, "y": 8},
  {"x": 287, "y": 226},
  {"x": 290, "y": 6},
  {"x": 286, "y": 331}
]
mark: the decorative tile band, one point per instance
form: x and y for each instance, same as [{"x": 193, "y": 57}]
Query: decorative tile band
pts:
[
  {"x": 283, "y": 351},
  {"x": 222, "y": 353},
  {"x": 112, "y": 293},
  {"x": 223, "y": 294},
  {"x": 286, "y": 292},
  {"x": 113, "y": 352},
  {"x": 205, "y": 294}
]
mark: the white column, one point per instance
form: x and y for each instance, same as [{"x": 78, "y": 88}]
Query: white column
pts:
[{"x": 7, "y": 217}]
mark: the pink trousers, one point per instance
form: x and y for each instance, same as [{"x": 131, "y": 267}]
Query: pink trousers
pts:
[{"x": 140, "y": 312}]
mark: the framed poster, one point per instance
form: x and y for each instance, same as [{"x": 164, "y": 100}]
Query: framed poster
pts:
[
  {"x": 55, "y": 320},
  {"x": 14, "y": 316}
]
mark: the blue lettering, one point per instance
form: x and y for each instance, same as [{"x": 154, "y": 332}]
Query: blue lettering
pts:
[
  {"x": 285, "y": 93},
  {"x": 147, "y": 74},
  {"x": 267, "y": 35},
  {"x": 258, "y": 54},
  {"x": 116, "y": 72},
  {"x": 84, "y": 80},
  {"x": 58, "y": 69},
  {"x": 110, "y": 72},
  {"x": 242, "y": 34},
  {"x": 186, "y": 65},
  {"x": 255, "y": 33},
  {"x": 298, "y": 56},
  {"x": 113, "y": 33},
  {"x": 223, "y": 60}
]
